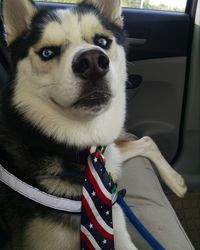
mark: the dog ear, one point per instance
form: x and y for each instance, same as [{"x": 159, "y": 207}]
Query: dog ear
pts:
[
  {"x": 17, "y": 15},
  {"x": 111, "y": 9}
]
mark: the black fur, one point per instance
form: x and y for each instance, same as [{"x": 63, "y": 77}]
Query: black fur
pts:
[
  {"x": 25, "y": 151},
  {"x": 20, "y": 47},
  {"x": 33, "y": 140},
  {"x": 118, "y": 32}
]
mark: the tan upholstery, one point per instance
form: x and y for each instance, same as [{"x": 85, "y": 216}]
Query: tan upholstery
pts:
[{"x": 146, "y": 197}]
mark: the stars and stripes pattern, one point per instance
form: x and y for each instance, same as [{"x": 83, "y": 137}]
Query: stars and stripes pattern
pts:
[{"x": 96, "y": 216}]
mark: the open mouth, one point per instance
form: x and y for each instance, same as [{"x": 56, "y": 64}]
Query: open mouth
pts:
[{"x": 93, "y": 99}]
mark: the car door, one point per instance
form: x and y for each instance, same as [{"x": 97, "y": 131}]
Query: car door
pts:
[
  {"x": 163, "y": 89},
  {"x": 157, "y": 62}
]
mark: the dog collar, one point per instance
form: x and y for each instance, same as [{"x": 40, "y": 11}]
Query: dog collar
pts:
[
  {"x": 34, "y": 194},
  {"x": 41, "y": 197}
]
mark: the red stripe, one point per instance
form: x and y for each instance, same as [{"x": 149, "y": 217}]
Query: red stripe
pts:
[
  {"x": 87, "y": 241},
  {"x": 97, "y": 188},
  {"x": 98, "y": 156},
  {"x": 94, "y": 221}
]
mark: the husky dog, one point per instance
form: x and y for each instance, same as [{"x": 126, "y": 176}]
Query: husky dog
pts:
[{"x": 66, "y": 93}]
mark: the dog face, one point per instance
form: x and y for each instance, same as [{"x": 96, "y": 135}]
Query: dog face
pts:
[{"x": 70, "y": 69}]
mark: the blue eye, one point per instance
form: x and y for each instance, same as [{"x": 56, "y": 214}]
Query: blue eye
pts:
[
  {"x": 103, "y": 42},
  {"x": 48, "y": 53}
]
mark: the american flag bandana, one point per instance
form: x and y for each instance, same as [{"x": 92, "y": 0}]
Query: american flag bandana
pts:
[{"x": 96, "y": 216}]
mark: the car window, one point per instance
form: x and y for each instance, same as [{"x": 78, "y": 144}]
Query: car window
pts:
[{"x": 168, "y": 5}]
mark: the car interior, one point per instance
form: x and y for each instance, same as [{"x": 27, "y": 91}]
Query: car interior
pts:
[{"x": 163, "y": 94}]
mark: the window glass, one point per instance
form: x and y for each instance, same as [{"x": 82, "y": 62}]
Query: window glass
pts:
[{"x": 169, "y": 5}]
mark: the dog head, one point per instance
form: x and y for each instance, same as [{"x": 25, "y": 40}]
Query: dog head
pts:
[{"x": 70, "y": 69}]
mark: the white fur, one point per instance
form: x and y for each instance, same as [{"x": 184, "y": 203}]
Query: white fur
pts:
[
  {"x": 43, "y": 234},
  {"x": 146, "y": 147},
  {"x": 38, "y": 81},
  {"x": 122, "y": 238},
  {"x": 113, "y": 161}
]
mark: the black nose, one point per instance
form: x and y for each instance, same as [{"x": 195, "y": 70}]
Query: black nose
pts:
[{"x": 91, "y": 64}]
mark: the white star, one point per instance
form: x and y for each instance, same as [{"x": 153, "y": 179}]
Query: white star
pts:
[
  {"x": 109, "y": 184},
  {"x": 107, "y": 212},
  {"x": 101, "y": 169},
  {"x": 95, "y": 159},
  {"x": 93, "y": 194},
  {"x": 104, "y": 241},
  {"x": 91, "y": 225},
  {"x": 85, "y": 179}
]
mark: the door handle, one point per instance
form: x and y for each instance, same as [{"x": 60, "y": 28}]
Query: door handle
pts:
[
  {"x": 134, "y": 81},
  {"x": 136, "y": 41}
]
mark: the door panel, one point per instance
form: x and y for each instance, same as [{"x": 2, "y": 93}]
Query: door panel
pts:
[
  {"x": 188, "y": 161},
  {"x": 154, "y": 108},
  {"x": 166, "y": 33},
  {"x": 155, "y": 105}
]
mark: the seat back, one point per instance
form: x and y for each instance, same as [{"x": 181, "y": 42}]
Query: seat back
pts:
[
  {"x": 4, "y": 58},
  {"x": 4, "y": 75}
]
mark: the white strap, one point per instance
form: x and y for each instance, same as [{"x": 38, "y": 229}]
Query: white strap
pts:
[{"x": 38, "y": 196}]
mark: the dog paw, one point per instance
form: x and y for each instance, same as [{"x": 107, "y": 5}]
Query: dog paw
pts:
[{"x": 175, "y": 182}]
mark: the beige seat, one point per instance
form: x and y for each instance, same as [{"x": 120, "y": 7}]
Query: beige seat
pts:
[{"x": 146, "y": 197}]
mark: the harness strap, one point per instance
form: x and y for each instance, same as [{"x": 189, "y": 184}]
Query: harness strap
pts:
[{"x": 43, "y": 198}]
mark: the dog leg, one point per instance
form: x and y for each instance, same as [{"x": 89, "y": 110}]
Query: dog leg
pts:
[
  {"x": 121, "y": 235},
  {"x": 146, "y": 147}
]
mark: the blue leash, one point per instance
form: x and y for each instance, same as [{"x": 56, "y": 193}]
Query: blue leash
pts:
[{"x": 137, "y": 224}]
